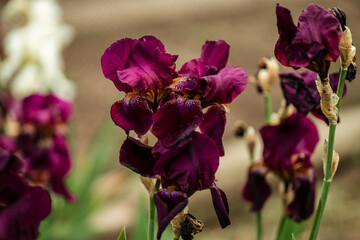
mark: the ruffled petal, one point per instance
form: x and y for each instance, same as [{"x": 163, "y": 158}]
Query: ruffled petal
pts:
[
  {"x": 132, "y": 113},
  {"x": 168, "y": 205},
  {"x": 256, "y": 190},
  {"x": 287, "y": 30},
  {"x": 115, "y": 58},
  {"x": 192, "y": 168},
  {"x": 215, "y": 53},
  {"x": 302, "y": 205},
  {"x": 296, "y": 135},
  {"x": 213, "y": 125},
  {"x": 225, "y": 86},
  {"x": 177, "y": 119},
  {"x": 221, "y": 206},
  {"x": 137, "y": 157},
  {"x": 149, "y": 67},
  {"x": 196, "y": 68}
]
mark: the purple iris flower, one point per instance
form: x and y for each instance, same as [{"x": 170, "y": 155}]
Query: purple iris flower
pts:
[
  {"x": 313, "y": 44},
  {"x": 22, "y": 207},
  {"x": 300, "y": 90},
  {"x": 202, "y": 82},
  {"x": 142, "y": 69},
  {"x": 287, "y": 151},
  {"x": 43, "y": 141},
  {"x": 188, "y": 167}
]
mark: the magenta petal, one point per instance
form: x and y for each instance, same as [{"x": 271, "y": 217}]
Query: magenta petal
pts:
[
  {"x": 132, "y": 113},
  {"x": 149, "y": 67},
  {"x": 115, "y": 58},
  {"x": 302, "y": 205},
  {"x": 137, "y": 157},
  {"x": 221, "y": 206},
  {"x": 256, "y": 190},
  {"x": 215, "y": 53},
  {"x": 168, "y": 205},
  {"x": 287, "y": 30},
  {"x": 296, "y": 135},
  {"x": 213, "y": 125},
  {"x": 191, "y": 167},
  {"x": 176, "y": 120},
  {"x": 225, "y": 86}
]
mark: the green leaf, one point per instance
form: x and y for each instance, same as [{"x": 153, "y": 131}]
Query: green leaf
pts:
[
  {"x": 122, "y": 235},
  {"x": 291, "y": 228},
  {"x": 141, "y": 226},
  {"x": 293, "y": 237}
]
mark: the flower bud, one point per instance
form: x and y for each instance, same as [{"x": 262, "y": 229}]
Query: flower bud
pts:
[
  {"x": 347, "y": 49},
  {"x": 266, "y": 75},
  {"x": 335, "y": 160},
  {"x": 328, "y": 100}
]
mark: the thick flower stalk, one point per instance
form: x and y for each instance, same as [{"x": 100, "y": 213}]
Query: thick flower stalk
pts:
[{"x": 170, "y": 104}]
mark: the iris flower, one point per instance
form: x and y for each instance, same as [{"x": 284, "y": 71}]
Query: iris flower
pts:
[
  {"x": 43, "y": 142},
  {"x": 287, "y": 151},
  {"x": 313, "y": 43},
  {"x": 22, "y": 207}
]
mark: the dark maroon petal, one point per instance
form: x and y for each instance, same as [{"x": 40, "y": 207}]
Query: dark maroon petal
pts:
[
  {"x": 256, "y": 190},
  {"x": 149, "y": 67},
  {"x": 213, "y": 125},
  {"x": 295, "y": 135},
  {"x": 137, "y": 157},
  {"x": 115, "y": 59},
  {"x": 302, "y": 206},
  {"x": 59, "y": 187},
  {"x": 197, "y": 68},
  {"x": 215, "y": 53},
  {"x": 225, "y": 86},
  {"x": 21, "y": 218},
  {"x": 300, "y": 90},
  {"x": 176, "y": 120},
  {"x": 132, "y": 113},
  {"x": 45, "y": 110},
  {"x": 287, "y": 30},
  {"x": 193, "y": 166},
  {"x": 168, "y": 205},
  {"x": 221, "y": 206}
]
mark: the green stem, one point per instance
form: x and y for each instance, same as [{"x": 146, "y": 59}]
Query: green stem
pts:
[
  {"x": 281, "y": 226},
  {"x": 151, "y": 226},
  {"x": 258, "y": 226},
  {"x": 328, "y": 166},
  {"x": 268, "y": 108}
]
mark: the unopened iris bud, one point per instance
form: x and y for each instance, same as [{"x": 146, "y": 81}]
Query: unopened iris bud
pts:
[
  {"x": 239, "y": 128},
  {"x": 250, "y": 138},
  {"x": 340, "y": 15},
  {"x": 267, "y": 73},
  {"x": 335, "y": 160},
  {"x": 328, "y": 100}
]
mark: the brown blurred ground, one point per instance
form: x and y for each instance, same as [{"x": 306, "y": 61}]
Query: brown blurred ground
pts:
[{"x": 249, "y": 26}]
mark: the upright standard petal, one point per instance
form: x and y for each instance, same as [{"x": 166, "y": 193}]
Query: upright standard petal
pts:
[
  {"x": 191, "y": 169},
  {"x": 256, "y": 190},
  {"x": 176, "y": 120},
  {"x": 220, "y": 205},
  {"x": 115, "y": 58},
  {"x": 132, "y": 113},
  {"x": 168, "y": 204},
  {"x": 213, "y": 125},
  {"x": 224, "y": 86},
  {"x": 137, "y": 157},
  {"x": 215, "y": 53}
]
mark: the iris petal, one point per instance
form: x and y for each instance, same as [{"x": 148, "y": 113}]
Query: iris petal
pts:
[
  {"x": 168, "y": 205},
  {"x": 220, "y": 205},
  {"x": 176, "y": 120},
  {"x": 132, "y": 113}
]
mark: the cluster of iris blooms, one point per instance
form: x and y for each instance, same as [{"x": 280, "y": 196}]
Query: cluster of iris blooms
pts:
[
  {"x": 172, "y": 105},
  {"x": 34, "y": 159}
]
